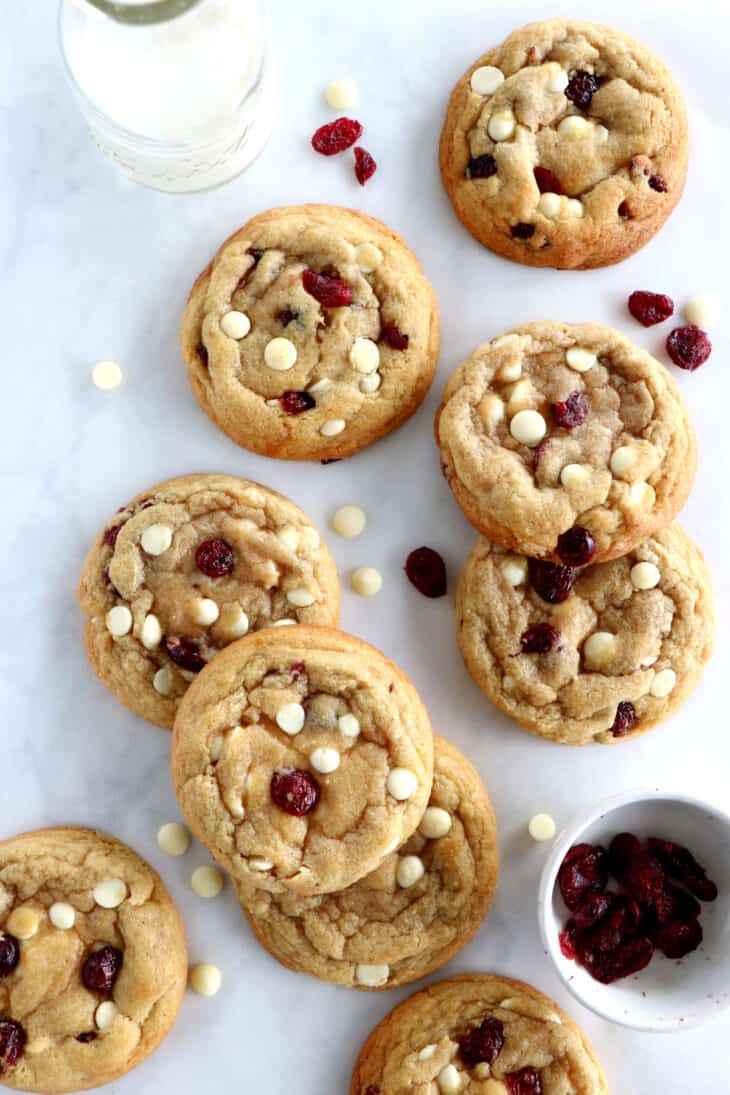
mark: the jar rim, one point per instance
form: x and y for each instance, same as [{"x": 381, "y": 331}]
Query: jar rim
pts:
[{"x": 142, "y": 12}]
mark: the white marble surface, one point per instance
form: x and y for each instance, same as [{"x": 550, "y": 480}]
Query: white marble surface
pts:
[{"x": 94, "y": 268}]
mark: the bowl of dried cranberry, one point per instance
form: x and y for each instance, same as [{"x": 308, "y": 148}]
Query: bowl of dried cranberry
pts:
[{"x": 634, "y": 910}]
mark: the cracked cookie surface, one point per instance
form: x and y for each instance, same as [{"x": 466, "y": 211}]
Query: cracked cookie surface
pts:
[
  {"x": 609, "y": 661},
  {"x": 565, "y": 146},
  {"x": 68, "y": 893},
  {"x": 187, "y": 567},
  {"x": 555, "y": 426},
  {"x": 411, "y": 915},
  {"x": 478, "y": 1034},
  {"x": 301, "y": 757},
  {"x": 311, "y": 334}
]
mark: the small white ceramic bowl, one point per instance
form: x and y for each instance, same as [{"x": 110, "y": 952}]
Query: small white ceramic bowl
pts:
[{"x": 667, "y": 995}]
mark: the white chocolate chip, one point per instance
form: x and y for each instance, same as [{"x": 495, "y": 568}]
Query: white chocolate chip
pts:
[
  {"x": 559, "y": 80},
  {"x": 365, "y": 355},
  {"x": 701, "y": 310},
  {"x": 105, "y": 1014},
  {"x": 162, "y": 681},
  {"x": 156, "y": 539},
  {"x": 300, "y": 598},
  {"x": 550, "y": 205},
  {"x": 574, "y": 475},
  {"x": 580, "y": 359},
  {"x": 119, "y": 621},
  {"x": 284, "y": 623},
  {"x": 325, "y": 760},
  {"x": 206, "y": 881},
  {"x": 520, "y": 397},
  {"x": 254, "y": 496},
  {"x": 349, "y": 726},
  {"x": 449, "y": 1080},
  {"x": 23, "y": 923},
  {"x": 511, "y": 370},
  {"x": 233, "y": 622},
  {"x": 505, "y": 340},
  {"x": 107, "y": 375},
  {"x": 574, "y": 126},
  {"x": 205, "y": 979},
  {"x": 309, "y": 538},
  {"x": 62, "y": 915},
  {"x": 646, "y": 662},
  {"x": 341, "y": 94},
  {"x": 402, "y": 783},
  {"x": 501, "y": 125},
  {"x": 486, "y": 79},
  {"x": 641, "y": 495},
  {"x": 600, "y": 134},
  {"x": 319, "y": 385},
  {"x": 483, "y": 1071},
  {"x": 370, "y": 384},
  {"x": 216, "y": 747},
  {"x": 367, "y": 581},
  {"x": 491, "y": 410},
  {"x": 368, "y": 257},
  {"x": 290, "y": 718},
  {"x": 151, "y": 633},
  {"x": 280, "y": 355},
  {"x": 541, "y": 827},
  {"x": 598, "y": 647},
  {"x": 372, "y": 976},
  {"x": 435, "y": 823},
  {"x": 36, "y": 1046},
  {"x": 289, "y": 537},
  {"x": 390, "y": 848},
  {"x": 514, "y": 571},
  {"x": 111, "y": 893},
  {"x": 663, "y": 683},
  {"x": 349, "y": 521},
  {"x": 257, "y": 863},
  {"x": 528, "y": 427},
  {"x": 573, "y": 207},
  {"x": 332, "y": 427},
  {"x": 645, "y": 576},
  {"x": 622, "y": 460},
  {"x": 173, "y": 839},
  {"x": 427, "y": 1052},
  {"x": 410, "y": 870},
  {"x": 204, "y": 611},
  {"x": 236, "y": 325},
  {"x": 508, "y": 683}
]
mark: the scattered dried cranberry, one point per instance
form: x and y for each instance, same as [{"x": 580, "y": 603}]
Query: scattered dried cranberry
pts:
[
  {"x": 110, "y": 536},
  {"x": 365, "y": 165},
  {"x": 538, "y": 452},
  {"x": 9, "y": 953},
  {"x": 296, "y": 402},
  {"x": 12, "y": 1043},
  {"x": 287, "y": 316},
  {"x": 592, "y": 908},
  {"x": 202, "y": 354},
  {"x": 678, "y": 938},
  {"x": 483, "y": 1043},
  {"x": 336, "y": 136},
  {"x": 525, "y": 1082},
  {"x": 547, "y": 182},
  {"x": 392, "y": 334},
  {"x": 215, "y": 558},
  {"x": 635, "y": 868},
  {"x": 650, "y": 308},
  {"x": 656, "y": 182},
  {"x": 584, "y": 870},
  {"x": 680, "y": 864},
  {"x": 581, "y": 88},
  {"x": 689, "y": 347},
  {"x": 567, "y": 940},
  {"x": 540, "y": 639},
  {"x": 426, "y": 571},
  {"x": 481, "y": 167},
  {"x": 186, "y": 654},
  {"x": 624, "y": 211},
  {"x": 296, "y": 792},
  {"x": 551, "y": 581},
  {"x": 101, "y": 969},
  {"x": 330, "y": 292},
  {"x": 624, "y": 720},
  {"x": 576, "y": 547},
  {"x": 522, "y": 231},
  {"x": 674, "y": 904},
  {"x": 571, "y": 412},
  {"x": 629, "y": 957},
  {"x": 86, "y": 1036}
]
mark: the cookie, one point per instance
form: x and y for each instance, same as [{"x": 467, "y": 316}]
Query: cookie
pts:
[
  {"x": 311, "y": 334},
  {"x": 565, "y": 146},
  {"x": 301, "y": 757},
  {"x": 93, "y": 961},
  {"x": 598, "y": 654},
  {"x": 187, "y": 567},
  {"x": 566, "y": 442},
  {"x": 411, "y": 915},
  {"x": 478, "y": 1033}
]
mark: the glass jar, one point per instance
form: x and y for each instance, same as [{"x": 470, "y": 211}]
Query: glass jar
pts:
[{"x": 178, "y": 93}]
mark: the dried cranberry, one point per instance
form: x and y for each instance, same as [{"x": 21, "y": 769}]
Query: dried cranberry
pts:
[
  {"x": 256, "y": 253},
  {"x": 202, "y": 354},
  {"x": 522, "y": 231},
  {"x": 286, "y": 316},
  {"x": 608, "y": 966},
  {"x": 330, "y": 292},
  {"x": 581, "y": 88},
  {"x": 592, "y": 908},
  {"x": 365, "y": 165},
  {"x": 86, "y": 1036},
  {"x": 656, "y": 182},
  {"x": 296, "y": 402},
  {"x": 689, "y": 347},
  {"x": 584, "y": 870},
  {"x": 547, "y": 182},
  {"x": 624, "y": 211},
  {"x": 110, "y": 536},
  {"x": 635, "y": 868},
  {"x": 620, "y": 924},
  {"x": 186, "y": 654},
  {"x": 576, "y": 547},
  {"x": 650, "y": 308},
  {"x": 426, "y": 571},
  {"x": 12, "y": 1043},
  {"x": 336, "y": 136},
  {"x": 481, "y": 167},
  {"x": 551, "y": 581},
  {"x": 679, "y": 937},
  {"x": 540, "y": 639},
  {"x": 538, "y": 452},
  {"x": 9, "y": 953},
  {"x": 567, "y": 940},
  {"x": 679, "y": 863},
  {"x": 392, "y": 334},
  {"x": 483, "y": 1043},
  {"x": 624, "y": 719},
  {"x": 571, "y": 412},
  {"x": 525, "y": 1082},
  {"x": 673, "y": 904},
  {"x": 101, "y": 969},
  {"x": 215, "y": 558},
  {"x": 371, "y": 1089},
  {"x": 296, "y": 669},
  {"x": 296, "y": 792}
]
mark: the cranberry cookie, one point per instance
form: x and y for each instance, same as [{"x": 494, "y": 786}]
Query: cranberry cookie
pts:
[
  {"x": 482, "y": 1034},
  {"x": 187, "y": 567},
  {"x": 93, "y": 961},
  {"x": 566, "y": 442},
  {"x": 411, "y": 915},
  {"x": 302, "y": 757},
  {"x": 565, "y": 146},
  {"x": 311, "y": 334},
  {"x": 596, "y": 654}
]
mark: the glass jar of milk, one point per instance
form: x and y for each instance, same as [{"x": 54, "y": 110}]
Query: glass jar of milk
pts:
[{"x": 178, "y": 93}]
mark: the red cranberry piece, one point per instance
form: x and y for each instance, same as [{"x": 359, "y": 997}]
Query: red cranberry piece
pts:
[
  {"x": 608, "y": 966},
  {"x": 483, "y": 1043},
  {"x": 689, "y": 347},
  {"x": 9, "y": 953},
  {"x": 620, "y": 924},
  {"x": 576, "y": 547},
  {"x": 674, "y": 904},
  {"x": 286, "y": 316},
  {"x": 296, "y": 792},
  {"x": 547, "y": 182},
  {"x": 392, "y": 334},
  {"x": 656, "y": 182},
  {"x": 624, "y": 719},
  {"x": 551, "y": 581},
  {"x": 365, "y": 165},
  {"x": 650, "y": 308},
  {"x": 202, "y": 354},
  {"x": 215, "y": 558},
  {"x": 101, "y": 969},
  {"x": 635, "y": 868},
  {"x": 571, "y": 412},
  {"x": 296, "y": 669},
  {"x": 296, "y": 402},
  {"x": 426, "y": 570},
  {"x": 329, "y": 291},
  {"x": 679, "y": 937},
  {"x": 12, "y": 1043},
  {"x": 584, "y": 870},
  {"x": 481, "y": 167},
  {"x": 186, "y": 654},
  {"x": 522, "y": 231},
  {"x": 567, "y": 940},
  {"x": 525, "y": 1082},
  {"x": 336, "y": 136},
  {"x": 538, "y": 452},
  {"x": 624, "y": 211},
  {"x": 86, "y": 1036},
  {"x": 592, "y": 908},
  {"x": 110, "y": 536},
  {"x": 581, "y": 88},
  {"x": 540, "y": 639},
  {"x": 679, "y": 863}
]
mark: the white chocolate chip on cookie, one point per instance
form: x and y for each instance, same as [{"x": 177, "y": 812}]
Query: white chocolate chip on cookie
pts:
[
  {"x": 486, "y": 79},
  {"x": 156, "y": 539},
  {"x": 162, "y": 682},
  {"x": 402, "y": 783},
  {"x": 559, "y": 80},
  {"x": 514, "y": 571},
  {"x": 622, "y": 460},
  {"x": 233, "y": 623},
  {"x": 236, "y": 325},
  {"x": 580, "y": 359},
  {"x": 550, "y": 205},
  {"x": 111, "y": 893},
  {"x": 290, "y": 718},
  {"x": 511, "y": 370},
  {"x": 491, "y": 410},
  {"x": 372, "y": 976},
  {"x": 368, "y": 257},
  {"x": 332, "y": 427},
  {"x": 371, "y": 383},
  {"x": 501, "y": 125},
  {"x": 574, "y": 475},
  {"x": 325, "y": 760},
  {"x": 349, "y": 726},
  {"x": 119, "y": 621},
  {"x": 204, "y": 611},
  {"x": 280, "y": 354},
  {"x": 574, "y": 126},
  {"x": 105, "y": 1014},
  {"x": 23, "y": 923},
  {"x": 528, "y": 427},
  {"x": 410, "y": 871},
  {"x": 449, "y": 1080},
  {"x": 663, "y": 683},
  {"x": 598, "y": 648},
  {"x": 151, "y": 634},
  {"x": 645, "y": 576},
  {"x": 300, "y": 598},
  {"x": 62, "y": 915},
  {"x": 365, "y": 355},
  {"x": 435, "y": 823}
]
